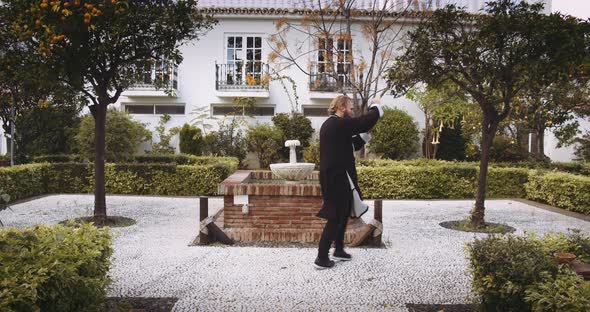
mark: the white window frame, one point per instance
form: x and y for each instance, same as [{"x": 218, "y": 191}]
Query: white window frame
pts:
[{"x": 241, "y": 76}]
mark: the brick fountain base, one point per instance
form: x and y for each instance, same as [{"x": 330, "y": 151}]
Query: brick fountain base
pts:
[{"x": 276, "y": 211}]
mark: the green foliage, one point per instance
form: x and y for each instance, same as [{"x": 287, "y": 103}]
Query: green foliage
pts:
[
  {"x": 564, "y": 293},
  {"x": 514, "y": 273},
  {"x": 58, "y": 268},
  {"x": 163, "y": 146},
  {"x": 505, "y": 149},
  {"x": 582, "y": 148},
  {"x": 453, "y": 144},
  {"x": 568, "y": 191},
  {"x": 311, "y": 154},
  {"x": 503, "y": 268},
  {"x": 228, "y": 141},
  {"x": 123, "y": 136},
  {"x": 23, "y": 181},
  {"x": 294, "y": 126},
  {"x": 60, "y": 158},
  {"x": 266, "y": 141},
  {"x": 191, "y": 140},
  {"x": 395, "y": 136},
  {"x": 42, "y": 131}
]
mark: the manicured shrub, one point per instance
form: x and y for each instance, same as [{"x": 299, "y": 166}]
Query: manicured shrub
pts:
[
  {"x": 454, "y": 180},
  {"x": 395, "y": 136},
  {"x": 294, "y": 126},
  {"x": 57, "y": 268},
  {"x": 191, "y": 140},
  {"x": 123, "y": 136},
  {"x": 568, "y": 191},
  {"x": 57, "y": 158},
  {"x": 266, "y": 142},
  {"x": 23, "y": 181}
]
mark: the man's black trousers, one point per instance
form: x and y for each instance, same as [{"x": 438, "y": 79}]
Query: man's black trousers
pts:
[{"x": 333, "y": 232}]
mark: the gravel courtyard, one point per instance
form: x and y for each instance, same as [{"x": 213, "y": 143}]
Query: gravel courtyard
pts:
[{"x": 423, "y": 262}]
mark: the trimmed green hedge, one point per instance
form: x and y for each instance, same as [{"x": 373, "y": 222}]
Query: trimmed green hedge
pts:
[
  {"x": 25, "y": 181},
  {"x": 575, "y": 167},
  {"x": 438, "y": 182},
  {"x": 571, "y": 192},
  {"x": 58, "y": 268}
]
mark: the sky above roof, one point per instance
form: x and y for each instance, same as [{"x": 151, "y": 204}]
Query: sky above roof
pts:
[{"x": 577, "y": 8}]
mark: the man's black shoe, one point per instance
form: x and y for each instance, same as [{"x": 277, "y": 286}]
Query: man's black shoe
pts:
[
  {"x": 341, "y": 255},
  {"x": 322, "y": 264}
]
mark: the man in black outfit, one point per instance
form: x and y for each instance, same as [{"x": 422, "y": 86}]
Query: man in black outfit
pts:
[{"x": 339, "y": 135}]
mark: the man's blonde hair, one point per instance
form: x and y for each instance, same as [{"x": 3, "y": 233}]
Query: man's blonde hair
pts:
[{"x": 338, "y": 102}]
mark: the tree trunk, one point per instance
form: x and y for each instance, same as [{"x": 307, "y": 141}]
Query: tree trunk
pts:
[
  {"x": 540, "y": 136},
  {"x": 100, "y": 208},
  {"x": 488, "y": 132}
]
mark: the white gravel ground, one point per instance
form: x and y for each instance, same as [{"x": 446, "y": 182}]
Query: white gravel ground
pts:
[{"x": 423, "y": 262}]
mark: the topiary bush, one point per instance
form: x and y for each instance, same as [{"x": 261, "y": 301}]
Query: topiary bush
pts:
[
  {"x": 191, "y": 140},
  {"x": 57, "y": 268},
  {"x": 266, "y": 142},
  {"x": 123, "y": 136},
  {"x": 395, "y": 136},
  {"x": 294, "y": 126},
  {"x": 564, "y": 190}
]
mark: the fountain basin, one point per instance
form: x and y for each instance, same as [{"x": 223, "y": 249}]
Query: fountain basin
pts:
[
  {"x": 292, "y": 171},
  {"x": 259, "y": 207}
]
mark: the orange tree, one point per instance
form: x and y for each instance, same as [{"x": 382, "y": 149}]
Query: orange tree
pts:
[
  {"x": 99, "y": 48},
  {"x": 492, "y": 57}
]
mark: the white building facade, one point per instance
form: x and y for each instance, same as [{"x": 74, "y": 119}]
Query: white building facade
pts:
[{"x": 216, "y": 67}]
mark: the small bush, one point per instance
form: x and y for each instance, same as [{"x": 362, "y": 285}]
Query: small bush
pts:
[
  {"x": 228, "y": 141},
  {"x": 566, "y": 292},
  {"x": 23, "y": 181},
  {"x": 395, "y": 136},
  {"x": 514, "y": 273},
  {"x": 54, "y": 268},
  {"x": 163, "y": 146},
  {"x": 505, "y": 149},
  {"x": 564, "y": 190},
  {"x": 582, "y": 147},
  {"x": 294, "y": 126},
  {"x": 311, "y": 154},
  {"x": 191, "y": 140},
  {"x": 265, "y": 141},
  {"x": 503, "y": 268},
  {"x": 122, "y": 138}
]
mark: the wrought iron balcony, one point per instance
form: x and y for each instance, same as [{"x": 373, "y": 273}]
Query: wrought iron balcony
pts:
[
  {"x": 163, "y": 73},
  {"x": 322, "y": 78},
  {"x": 242, "y": 76}
]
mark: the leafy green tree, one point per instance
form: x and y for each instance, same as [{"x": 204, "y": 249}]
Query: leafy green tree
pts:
[
  {"x": 491, "y": 57},
  {"x": 266, "y": 141},
  {"x": 46, "y": 131},
  {"x": 99, "y": 47},
  {"x": 395, "y": 136},
  {"x": 123, "y": 136},
  {"x": 26, "y": 83}
]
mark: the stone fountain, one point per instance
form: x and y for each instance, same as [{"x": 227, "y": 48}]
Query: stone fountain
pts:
[
  {"x": 292, "y": 171},
  {"x": 277, "y": 205}
]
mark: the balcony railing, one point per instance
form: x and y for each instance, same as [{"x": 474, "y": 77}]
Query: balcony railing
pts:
[
  {"x": 164, "y": 73},
  {"x": 242, "y": 76},
  {"x": 327, "y": 81},
  {"x": 431, "y": 5}
]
